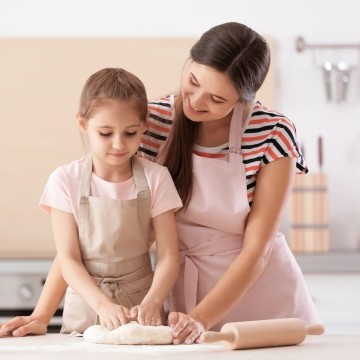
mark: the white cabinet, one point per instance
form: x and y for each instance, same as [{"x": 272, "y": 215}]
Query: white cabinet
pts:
[{"x": 337, "y": 297}]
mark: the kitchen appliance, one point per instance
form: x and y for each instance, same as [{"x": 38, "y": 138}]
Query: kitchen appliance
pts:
[
  {"x": 21, "y": 282},
  {"x": 262, "y": 333}
]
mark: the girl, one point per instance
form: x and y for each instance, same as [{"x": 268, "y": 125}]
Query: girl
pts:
[{"x": 102, "y": 208}]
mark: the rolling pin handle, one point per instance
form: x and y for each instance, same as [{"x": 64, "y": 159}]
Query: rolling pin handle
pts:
[
  {"x": 314, "y": 329},
  {"x": 214, "y": 336}
]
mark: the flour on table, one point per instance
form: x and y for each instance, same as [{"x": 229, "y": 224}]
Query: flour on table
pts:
[{"x": 129, "y": 334}]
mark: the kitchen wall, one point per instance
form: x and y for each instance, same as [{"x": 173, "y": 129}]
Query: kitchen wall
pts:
[{"x": 299, "y": 84}]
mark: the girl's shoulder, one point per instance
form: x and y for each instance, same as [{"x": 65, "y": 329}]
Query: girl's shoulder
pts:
[
  {"x": 70, "y": 171},
  {"x": 151, "y": 168}
]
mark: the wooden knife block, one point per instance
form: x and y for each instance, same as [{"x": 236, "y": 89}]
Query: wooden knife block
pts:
[{"x": 309, "y": 232}]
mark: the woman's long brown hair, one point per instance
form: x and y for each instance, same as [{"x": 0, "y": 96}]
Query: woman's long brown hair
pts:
[
  {"x": 178, "y": 150},
  {"x": 244, "y": 56}
]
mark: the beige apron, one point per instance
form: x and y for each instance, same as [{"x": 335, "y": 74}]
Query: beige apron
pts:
[
  {"x": 114, "y": 237},
  {"x": 211, "y": 232}
]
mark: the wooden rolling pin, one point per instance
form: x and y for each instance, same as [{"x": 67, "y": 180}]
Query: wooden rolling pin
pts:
[{"x": 262, "y": 333}]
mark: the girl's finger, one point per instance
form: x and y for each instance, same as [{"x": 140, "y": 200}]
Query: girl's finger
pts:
[
  {"x": 123, "y": 317},
  {"x": 173, "y": 319},
  {"x": 134, "y": 312}
]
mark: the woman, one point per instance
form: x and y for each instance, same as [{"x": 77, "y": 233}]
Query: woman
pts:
[{"x": 233, "y": 162}]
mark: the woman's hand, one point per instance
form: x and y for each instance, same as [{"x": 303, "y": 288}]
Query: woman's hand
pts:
[
  {"x": 23, "y": 325},
  {"x": 112, "y": 315},
  {"x": 147, "y": 313},
  {"x": 185, "y": 328}
]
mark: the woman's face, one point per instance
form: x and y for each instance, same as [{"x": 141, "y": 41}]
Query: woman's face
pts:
[{"x": 207, "y": 94}]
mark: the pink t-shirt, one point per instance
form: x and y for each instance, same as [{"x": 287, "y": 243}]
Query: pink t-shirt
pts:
[{"x": 62, "y": 189}]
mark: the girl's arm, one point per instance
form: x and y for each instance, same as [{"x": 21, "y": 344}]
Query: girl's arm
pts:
[
  {"x": 50, "y": 298},
  {"x": 75, "y": 274},
  {"x": 273, "y": 184},
  {"x": 166, "y": 271}
]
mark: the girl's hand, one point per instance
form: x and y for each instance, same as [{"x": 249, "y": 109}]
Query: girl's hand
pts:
[
  {"x": 185, "y": 328},
  {"x": 148, "y": 313},
  {"x": 23, "y": 325},
  {"x": 112, "y": 315}
]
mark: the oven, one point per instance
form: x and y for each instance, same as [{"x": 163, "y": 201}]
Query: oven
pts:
[{"x": 21, "y": 282}]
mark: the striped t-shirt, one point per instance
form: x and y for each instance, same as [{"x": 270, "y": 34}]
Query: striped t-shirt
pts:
[{"x": 268, "y": 136}]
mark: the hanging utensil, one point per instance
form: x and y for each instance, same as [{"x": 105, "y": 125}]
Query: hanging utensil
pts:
[
  {"x": 320, "y": 153},
  {"x": 327, "y": 74},
  {"x": 342, "y": 81}
]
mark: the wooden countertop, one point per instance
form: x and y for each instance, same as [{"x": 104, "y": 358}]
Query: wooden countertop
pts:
[{"x": 57, "y": 346}]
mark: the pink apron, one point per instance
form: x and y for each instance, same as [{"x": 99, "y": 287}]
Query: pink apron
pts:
[
  {"x": 211, "y": 232},
  {"x": 114, "y": 237}
]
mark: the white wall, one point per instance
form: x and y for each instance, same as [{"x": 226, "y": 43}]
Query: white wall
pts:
[{"x": 300, "y": 93}]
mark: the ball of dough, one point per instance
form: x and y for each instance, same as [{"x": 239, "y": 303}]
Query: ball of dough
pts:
[{"x": 129, "y": 334}]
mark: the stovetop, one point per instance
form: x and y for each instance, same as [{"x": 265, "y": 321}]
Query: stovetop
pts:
[{"x": 21, "y": 283}]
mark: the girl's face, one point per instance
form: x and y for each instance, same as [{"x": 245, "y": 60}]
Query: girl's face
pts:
[
  {"x": 207, "y": 94},
  {"x": 114, "y": 132}
]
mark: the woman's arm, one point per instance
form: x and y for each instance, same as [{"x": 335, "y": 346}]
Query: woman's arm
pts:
[
  {"x": 50, "y": 298},
  {"x": 76, "y": 275},
  {"x": 166, "y": 271},
  {"x": 273, "y": 185}
]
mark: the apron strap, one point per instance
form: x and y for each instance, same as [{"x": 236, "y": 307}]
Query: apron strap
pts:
[
  {"x": 212, "y": 247},
  {"x": 141, "y": 183},
  {"x": 142, "y": 187},
  {"x": 191, "y": 273},
  {"x": 86, "y": 171},
  {"x": 136, "y": 279},
  {"x": 237, "y": 130}
]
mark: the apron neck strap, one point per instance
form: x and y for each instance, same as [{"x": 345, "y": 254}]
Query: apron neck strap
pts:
[
  {"x": 139, "y": 176},
  {"x": 86, "y": 171},
  {"x": 137, "y": 169},
  {"x": 238, "y": 126}
]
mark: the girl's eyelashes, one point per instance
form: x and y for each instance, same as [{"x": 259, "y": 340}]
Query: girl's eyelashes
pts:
[{"x": 126, "y": 134}]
